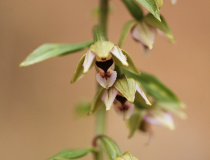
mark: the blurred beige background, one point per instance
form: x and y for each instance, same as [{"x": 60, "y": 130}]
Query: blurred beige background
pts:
[{"x": 37, "y": 102}]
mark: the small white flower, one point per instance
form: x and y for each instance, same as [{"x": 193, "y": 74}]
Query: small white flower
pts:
[
  {"x": 161, "y": 118},
  {"x": 144, "y": 34}
]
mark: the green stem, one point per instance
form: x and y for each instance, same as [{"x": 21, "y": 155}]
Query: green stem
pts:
[
  {"x": 101, "y": 113},
  {"x": 100, "y": 120},
  {"x": 103, "y": 14},
  {"x": 100, "y": 130}
]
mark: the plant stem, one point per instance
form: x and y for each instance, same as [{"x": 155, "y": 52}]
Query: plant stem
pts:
[
  {"x": 100, "y": 120},
  {"x": 103, "y": 14},
  {"x": 101, "y": 113}
]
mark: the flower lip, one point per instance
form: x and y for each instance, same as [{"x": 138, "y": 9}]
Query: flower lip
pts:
[
  {"x": 121, "y": 99},
  {"x": 123, "y": 108},
  {"x": 105, "y": 65}
]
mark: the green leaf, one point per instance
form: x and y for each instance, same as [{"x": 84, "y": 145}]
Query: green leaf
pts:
[
  {"x": 127, "y": 87},
  {"x": 126, "y": 29},
  {"x": 134, "y": 9},
  {"x": 151, "y": 6},
  {"x": 134, "y": 123},
  {"x": 154, "y": 87},
  {"x": 97, "y": 102},
  {"x": 47, "y": 51},
  {"x": 111, "y": 147},
  {"x": 72, "y": 153},
  {"x": 131, "y": 66},
  {"x": 83, "y": 107},
  {"x": 176, "y": 109},
  {"x": 163, "y": 26},
  {"x": 159, "y": 3}
]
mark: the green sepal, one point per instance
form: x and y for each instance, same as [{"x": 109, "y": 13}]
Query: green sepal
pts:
[
  {"x": 112, "y": 149},
  {"x": 127, "y": 87},
  {"x": 99, "y": 34},
  {"x": 151, "y": 6},
  {"x": 97, "y": 102},
  {"x": 134, "y": 123},
  {"x": 154, "y": 87},
  {"x": 78, "y": 74},
  {"x": 47, "y": 51},
  {"x": 139, "y": 104},
  {"x": 71, "y": 153},
  {"x": 134, "y": 9},
  {"x": 163, "y": 26},
  {"x": 140, "y": 99},
  {"x": 125, "y": 30},
  {"x": 131, "y": 66}
]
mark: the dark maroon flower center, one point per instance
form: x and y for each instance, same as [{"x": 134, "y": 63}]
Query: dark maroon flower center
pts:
[{"x": 105, "y": 65}]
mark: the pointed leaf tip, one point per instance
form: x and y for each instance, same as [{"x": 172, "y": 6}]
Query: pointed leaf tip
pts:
[
  {"x": 47, "y": 51},
  {"x": 151, "y": 6}
]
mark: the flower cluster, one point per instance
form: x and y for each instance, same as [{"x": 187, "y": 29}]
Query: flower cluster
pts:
[{"x": 122, "y": 90}]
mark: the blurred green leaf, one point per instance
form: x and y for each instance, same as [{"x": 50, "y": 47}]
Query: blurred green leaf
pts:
[
  {"x": 126, "y": 29},
  {"x": 163, "y": 26},
  {"x": 96, "y": 11},
  {"x": 97, "y": 102},
  {"x": 176, "y": 109},
  {"x": 72, "y": 153},
  {"x": 134, "y": 9},
  {"x": 83, "y": 107},
  {"x": 151, "y": 6},
  {"x": 111, "y": 147},
  {"x": 47, "y": 51},
  {"x": 134, "y": 123},
  {"x": 154, "y": 87}
]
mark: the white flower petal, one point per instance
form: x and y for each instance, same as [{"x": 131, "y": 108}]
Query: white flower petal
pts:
[
  {"x": 144, "y": 34},
  {"x": 106, "y": 82},
  {"x": 125, "y": 110},
  {"x": 160, "y": 118},
  {"x": 88, "y": 60},
  {"x": 116, "y": 51},
  {"x": 108, "y": 97},
  {"x": 141, "y": 92}
]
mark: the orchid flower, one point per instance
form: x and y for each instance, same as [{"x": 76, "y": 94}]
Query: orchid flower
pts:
[
  {"x": 104, "y": 54},
  {"x": 144, "y": 34},
  {"x": 124, "y": 91},
  {"x": 160, "y": 118},
  {"x": 144, "y": 31}
]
